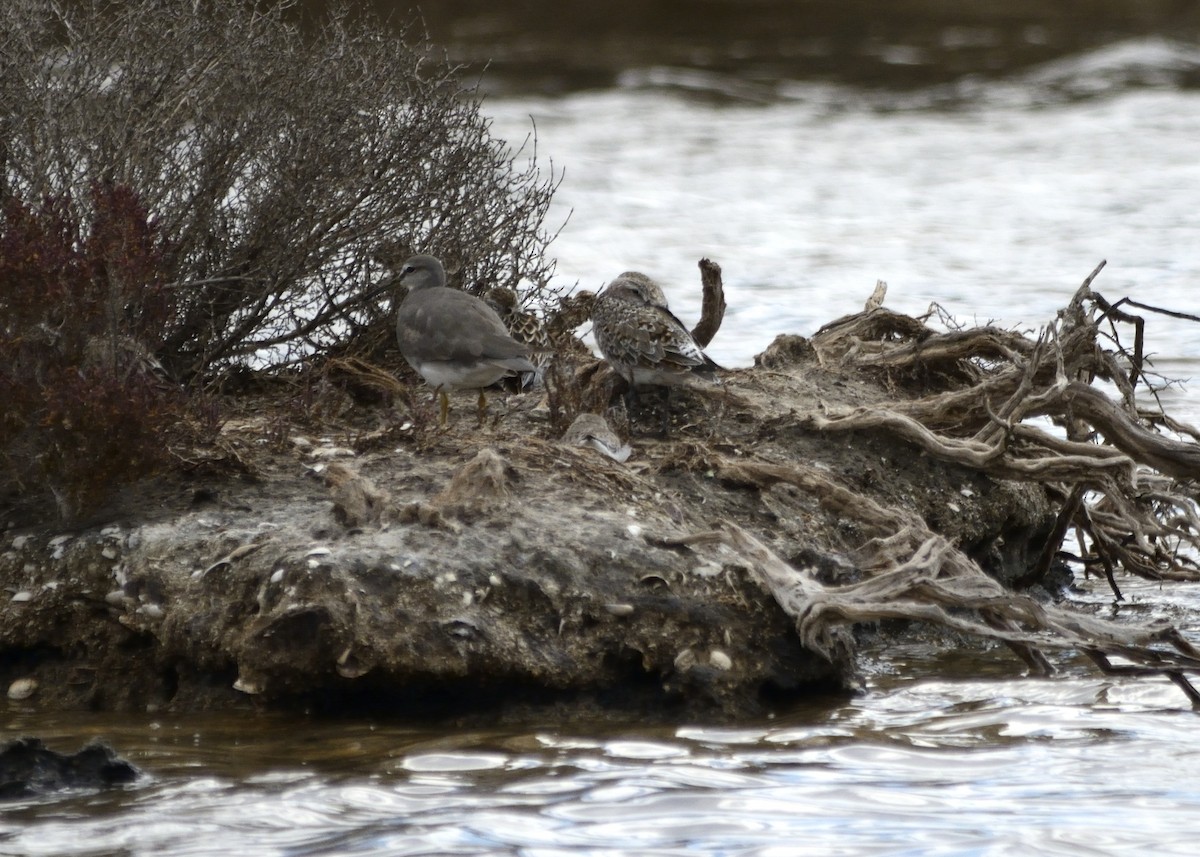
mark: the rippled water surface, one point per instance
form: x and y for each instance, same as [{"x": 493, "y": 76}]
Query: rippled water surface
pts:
[
  {"x": 993, "y": 199},
  {"x": 924, "y": 761}
]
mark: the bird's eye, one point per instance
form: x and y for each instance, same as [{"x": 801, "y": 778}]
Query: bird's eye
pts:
[{"x": 408, "y": 269}]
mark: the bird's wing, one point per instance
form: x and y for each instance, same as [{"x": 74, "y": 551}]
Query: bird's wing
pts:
[
  {"x": 458, "y": 327},
  {"x": 663, "y": 342}
]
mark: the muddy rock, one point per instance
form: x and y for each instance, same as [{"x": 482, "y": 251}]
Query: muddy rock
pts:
[{"x": 483, "y": 572}]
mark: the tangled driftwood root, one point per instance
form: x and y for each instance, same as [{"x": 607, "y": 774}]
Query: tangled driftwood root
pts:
[{"x": 1126, "y": 489}]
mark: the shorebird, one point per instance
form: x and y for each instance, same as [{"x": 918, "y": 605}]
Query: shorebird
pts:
[
  {"x": 452, "y": 339},
  {"x": 525, "y": 327},
  {"x": 640, "y": 337},
  {"x": 592, "y": 431},
  {"x": 642, "y": 340}
]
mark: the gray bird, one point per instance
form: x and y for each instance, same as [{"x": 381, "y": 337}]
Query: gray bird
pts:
[
  {"x": 451, "y": 338},
  {"x": 642, "y": 340}
]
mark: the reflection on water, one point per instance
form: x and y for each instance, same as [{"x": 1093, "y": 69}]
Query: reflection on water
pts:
[{"x": 936, "y": 757}]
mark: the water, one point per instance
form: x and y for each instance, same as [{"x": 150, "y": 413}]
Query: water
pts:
[
  {"x": 925, "y": 761},
  {"x": 996, "y": 206},
  {"x": 993, "y": 198}
]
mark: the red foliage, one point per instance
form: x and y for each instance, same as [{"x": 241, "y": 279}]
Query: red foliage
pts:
[{"x": 81, "y": 315}]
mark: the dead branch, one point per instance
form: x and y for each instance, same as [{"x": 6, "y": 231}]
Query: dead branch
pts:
[
  {"x": 921, "y": 576},
  {"x": 976, "y": 391},
  {"x": 712, "y": 310}
]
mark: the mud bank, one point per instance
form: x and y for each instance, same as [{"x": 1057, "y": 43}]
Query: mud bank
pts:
[{"x": 483, "y": 571}]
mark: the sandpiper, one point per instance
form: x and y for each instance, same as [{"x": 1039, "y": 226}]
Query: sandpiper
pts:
[
  {"x": 593, "y": 431},
  {"x": 452, "y": 339},
  {"x": 525, "y": 327},
  {"x": 644, "y": 342}
]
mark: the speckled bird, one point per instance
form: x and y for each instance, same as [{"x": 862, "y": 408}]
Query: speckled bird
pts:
[{"x": 641, "y": 339}]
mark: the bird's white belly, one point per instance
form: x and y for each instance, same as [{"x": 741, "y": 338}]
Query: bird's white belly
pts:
[{"x": 456, "y": 376}]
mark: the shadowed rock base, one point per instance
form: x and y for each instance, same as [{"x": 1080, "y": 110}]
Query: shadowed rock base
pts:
[{"x": 28, "y": 767}]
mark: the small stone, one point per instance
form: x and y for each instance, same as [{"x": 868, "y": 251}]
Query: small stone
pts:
[
  {"x": 277, "y": 576},
  {"x": 720, "y": 660},
  {"x": 685, "y": 660},
  {"x": 22, "y": 688},
  {"x": 247, "y": 686},
  {"x": 151, "y": 611},
  {"x": 109, "y": 552},
  {"x": 22, "y": 596},
  {"x": 116, "y": 598},
  {"x": 619, "y": 609},
  {"x": 326, "y": 453}
]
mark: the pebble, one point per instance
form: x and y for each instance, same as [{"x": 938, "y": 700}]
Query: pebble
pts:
[
  {"x": 22, "y": 688},
  {"x": 720, "y": 660},
  {"x": 151, "y": 611},
  {"x": 685, "y": 660},
  {"x": 22, "y": 596},
  {"x": 247, "y": 686}
]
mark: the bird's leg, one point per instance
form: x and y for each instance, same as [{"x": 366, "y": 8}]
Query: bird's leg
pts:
[
  {"x": 481, "y": 407},
  {"x": 444, "y": 410},
  {"x": 630, "y": 398},
  {"x": 665, "y": 396}
]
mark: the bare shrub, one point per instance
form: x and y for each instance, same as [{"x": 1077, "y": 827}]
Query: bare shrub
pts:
[{"x": 275, "y": 164}]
